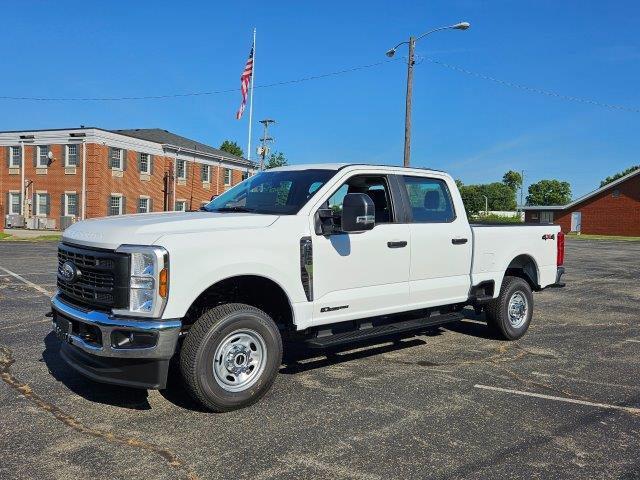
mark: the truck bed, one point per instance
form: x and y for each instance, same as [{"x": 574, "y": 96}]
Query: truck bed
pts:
[{"x": 495, "y": 246}]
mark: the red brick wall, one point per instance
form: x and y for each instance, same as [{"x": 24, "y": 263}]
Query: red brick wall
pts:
[
  {"x": 101, "y": 182},
  {"x": 605, "y": 214}
]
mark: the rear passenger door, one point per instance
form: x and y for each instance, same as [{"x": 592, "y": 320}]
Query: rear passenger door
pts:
[{"x": 440, "y": 243}]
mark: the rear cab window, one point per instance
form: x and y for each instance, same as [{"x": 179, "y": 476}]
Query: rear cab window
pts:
[{"x": 429, "y": 200}]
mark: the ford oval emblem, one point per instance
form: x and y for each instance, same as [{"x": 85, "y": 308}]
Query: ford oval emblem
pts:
[{"x": 69, "y": 272}]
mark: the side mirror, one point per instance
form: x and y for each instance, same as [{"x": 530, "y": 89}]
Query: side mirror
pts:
[{"x": 358, "y": 213}]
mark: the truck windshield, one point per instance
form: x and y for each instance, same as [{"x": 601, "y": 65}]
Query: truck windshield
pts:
[{"x": 272, "y": 192}]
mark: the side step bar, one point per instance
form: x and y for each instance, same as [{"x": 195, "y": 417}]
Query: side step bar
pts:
[{"x": 382, "y": 330}]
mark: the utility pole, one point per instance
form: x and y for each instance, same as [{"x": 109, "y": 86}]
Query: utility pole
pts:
[
  {"x": 407, "y": 112},
  {"x": 410, "y": 63},
  {"x": 262, "y": 151}
]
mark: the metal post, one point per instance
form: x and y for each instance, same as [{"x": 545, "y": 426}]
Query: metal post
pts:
[
  {"x": 253, "y": 76},
  {"x": 522, "y": 190},
  {"x": 407, "y": 115}
]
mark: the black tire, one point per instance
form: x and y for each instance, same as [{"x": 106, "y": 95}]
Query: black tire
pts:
[
  {"x": 207, "y": 334},
  {"x": 497, "y": 310}
]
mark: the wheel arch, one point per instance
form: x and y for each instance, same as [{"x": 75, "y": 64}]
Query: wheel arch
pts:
[
  {"x": 525, "y": 267},
  {"x": 259, "y": 291}
]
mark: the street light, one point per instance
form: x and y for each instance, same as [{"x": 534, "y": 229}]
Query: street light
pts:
[{"x": 410, "y": 62}]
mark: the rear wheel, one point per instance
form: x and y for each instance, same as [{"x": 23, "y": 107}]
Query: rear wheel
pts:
[
  {"x": 510, "y": 314},
  {"x": 231, "y": 356}
]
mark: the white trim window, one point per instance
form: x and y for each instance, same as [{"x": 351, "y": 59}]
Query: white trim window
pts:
[
  {"x": 206, "y": 173},
  {"x": 41, "y": 204},
  {"x": 145, "y": 164},
  {"x": 71, "y": 155},
  {"x": 14, "y": 203},
  {"x": 181, "y": 169},
  {"x": 15, "y": 159},
  {"x": 143, "y": 205},
  {"x": 227, "y": 176},
  {"x": 43, "y": 156},
  {"x": 70, "y": 204},
  {"x": 116, "y": 159},
  {"x": 181, "y": 205},
  {"x": 115, "y": 204}
]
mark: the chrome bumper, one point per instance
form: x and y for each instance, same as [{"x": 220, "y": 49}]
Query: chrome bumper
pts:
[{"x": 166, "y": 332}]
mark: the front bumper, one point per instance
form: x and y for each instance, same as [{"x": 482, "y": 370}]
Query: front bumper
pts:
[{"x": 119, "y": 350}]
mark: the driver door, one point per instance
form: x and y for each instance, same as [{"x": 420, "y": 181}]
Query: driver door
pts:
[{"x": 358, "y": 275}]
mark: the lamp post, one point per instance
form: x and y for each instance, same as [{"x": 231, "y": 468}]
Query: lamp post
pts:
[{"x": 410, "y": 62}]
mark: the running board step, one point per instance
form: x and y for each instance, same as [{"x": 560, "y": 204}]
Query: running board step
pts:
[{"x": 382, "y": 330}]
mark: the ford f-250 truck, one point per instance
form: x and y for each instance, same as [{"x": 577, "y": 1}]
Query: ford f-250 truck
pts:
[{"x": 323, "y": 254}]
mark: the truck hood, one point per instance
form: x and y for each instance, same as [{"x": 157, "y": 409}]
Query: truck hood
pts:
[{"x": 147, "y": 228}]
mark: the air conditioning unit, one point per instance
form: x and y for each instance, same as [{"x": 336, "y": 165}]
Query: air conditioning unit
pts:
[
  {"x": 32, "y": 223},
  {"x": 48, "y": 224},
  {"x": 67, "y": 221},
  {"x": 14, "y": 220}
]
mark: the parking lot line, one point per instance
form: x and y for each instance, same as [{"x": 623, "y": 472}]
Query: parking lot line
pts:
[
  {"x": 27, "y": 282},
  {"x": 560, "y": 399}
]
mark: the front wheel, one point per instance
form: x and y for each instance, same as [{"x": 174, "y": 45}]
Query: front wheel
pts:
[
  {"x": 231, "y": 356},
  {"x": 510, "y": 314}
]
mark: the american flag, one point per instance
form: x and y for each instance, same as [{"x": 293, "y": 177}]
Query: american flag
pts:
[{"x": 245, "y": 80}]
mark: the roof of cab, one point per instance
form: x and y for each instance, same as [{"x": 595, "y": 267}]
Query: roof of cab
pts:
[{"x": 340, "y": 166}]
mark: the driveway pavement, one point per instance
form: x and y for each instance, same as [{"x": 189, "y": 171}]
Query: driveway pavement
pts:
[{"x": 563, "y": 402}]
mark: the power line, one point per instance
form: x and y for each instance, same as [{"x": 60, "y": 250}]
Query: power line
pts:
[
  {"x": 526, "y": 88},
  {"x": 482, "y": 76},
  {"x": 196, "y": 94}
]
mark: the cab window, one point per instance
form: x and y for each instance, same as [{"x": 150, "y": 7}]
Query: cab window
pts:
[
  {"x": 430, "y": 200},
  {"x": 376, "y": 187}
]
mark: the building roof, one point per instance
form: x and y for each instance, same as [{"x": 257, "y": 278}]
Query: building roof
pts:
[
  {"x": 587, "y": 196},
  {"x": 166, "y": 137}
]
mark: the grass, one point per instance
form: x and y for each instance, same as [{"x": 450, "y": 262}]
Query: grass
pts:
[
  {"x": 54, "y": 237},
  {"x": 496, "y": 219},
  {"x": 602, "y": 237}
]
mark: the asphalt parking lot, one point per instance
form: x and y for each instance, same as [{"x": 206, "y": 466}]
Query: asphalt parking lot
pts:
[{"x": 451, "y": 403}]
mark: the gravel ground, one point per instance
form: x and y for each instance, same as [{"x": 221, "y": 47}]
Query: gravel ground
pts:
[{"x": 563, "y": 402}]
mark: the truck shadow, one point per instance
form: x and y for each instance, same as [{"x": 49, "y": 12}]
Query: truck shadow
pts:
[{"x": 125, "y": 397}]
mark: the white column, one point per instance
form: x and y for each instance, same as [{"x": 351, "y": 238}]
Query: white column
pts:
[
  {"x": 22, "y": 188},
  {"x": 84, "y": 178}
]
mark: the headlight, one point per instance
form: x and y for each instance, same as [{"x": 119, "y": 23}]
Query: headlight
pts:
[{"x": 149, "y": 280}]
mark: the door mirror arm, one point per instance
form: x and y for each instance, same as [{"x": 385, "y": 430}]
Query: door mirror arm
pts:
[{"x": 323, "y": 221}]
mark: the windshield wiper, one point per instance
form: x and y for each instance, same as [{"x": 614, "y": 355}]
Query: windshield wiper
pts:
[{"x": 234, "y": 209}]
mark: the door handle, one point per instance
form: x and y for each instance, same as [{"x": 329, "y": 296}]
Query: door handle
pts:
[
  {"x": 459, "y": 241},
  {"x": 397, "y": 244}
]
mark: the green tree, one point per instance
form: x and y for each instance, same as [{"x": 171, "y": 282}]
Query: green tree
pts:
[
  {"x": 500, "y": 197},
  {"x": 549, "y": 192},
  {"x": 618, "y": 175},
  {"x": 472, "y": 199},
  {"x": 276, "y": 159},
  {"x": 513, "y": 180},
  {"x": 232, "y": 147}
]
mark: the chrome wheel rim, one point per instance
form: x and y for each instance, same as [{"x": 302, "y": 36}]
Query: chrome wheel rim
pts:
[
  {"x": 518, "y": 309},
  {"x": 239, "y": 360}
]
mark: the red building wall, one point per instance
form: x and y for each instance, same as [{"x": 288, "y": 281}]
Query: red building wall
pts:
[
  {"x": 101, "y": 181},
  {"x": 614, "y": 211}
]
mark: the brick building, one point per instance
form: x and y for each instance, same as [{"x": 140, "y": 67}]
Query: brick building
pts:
[
  {"x": 71, "y": 174},
  {"x": 611, "y": 210}
]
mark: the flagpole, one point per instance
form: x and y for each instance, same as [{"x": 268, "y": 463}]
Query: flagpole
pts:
[{"x": 253, "y": 76}]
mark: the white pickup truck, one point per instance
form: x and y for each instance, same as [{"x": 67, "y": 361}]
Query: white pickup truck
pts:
[{"x": 323, "y": 254}]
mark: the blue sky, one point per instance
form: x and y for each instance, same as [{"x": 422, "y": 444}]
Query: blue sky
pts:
[{"x": 473, "y": 128}]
